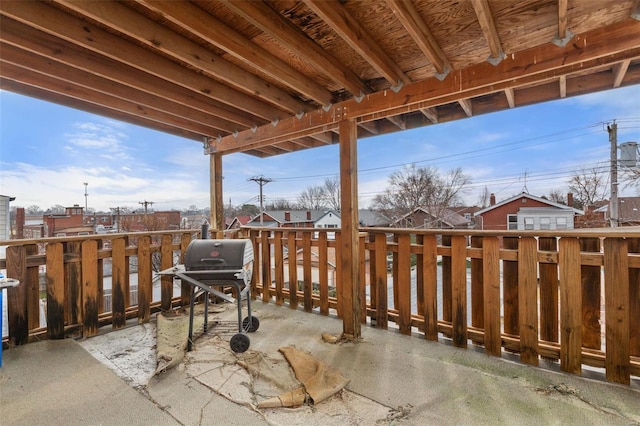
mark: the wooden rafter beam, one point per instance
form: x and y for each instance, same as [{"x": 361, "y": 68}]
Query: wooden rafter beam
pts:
[
  {"x": 38, "y": 43},
  {"x": 467, "y": 107},
  {"x": 275, "y": 25},
  {"x": 562, "y": 18},
  {"x": 398, "y": 122},
  {"x": 52, "y": 21},
  {"x": 411, "y": 20},
  {"x": 485, "y": 18},
  {"x": 511, "y": 97},
  {"x": 431, "y": 114},
  {"x": 563, "y": 86},
  {"x": 619, "y": 71},
  {"x": 158, "y": 37},
  {"x": 596, "y": 48},
  {"x": 209, "y": 28},
  {"x": 350, "y": 30}
]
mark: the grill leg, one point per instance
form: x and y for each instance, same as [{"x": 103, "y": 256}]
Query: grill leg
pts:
[{"x": 191, "y": 303}]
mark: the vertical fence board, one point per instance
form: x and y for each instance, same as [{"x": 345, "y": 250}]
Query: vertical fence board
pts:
[
  {"x": 528, "y": 300},
  {"x": 373, "y": 274},
  {"x": 265, "y": 263},
  {"x": 90, "y": 299},
  {"x": 145, "y": 279},
  {"x": 362, "y": 252},
  {"x": 420, "y": 304},
  {"x": 185, "y": 288},
  {"x": 549, "y": 292},
  {"x": 570, "y": 292},
  {"x": 446, "y": 283},
  {"x": 306, "y": 272},
  {"x": 17, "y": 310},
  {"x": 278, "y": 266},
  {"x": 634, "y": 300},
  {"x": 339, "y": 273},
  {"x": 73, "y": 282},
  {"x": 381, "y": 307},
  {"x": 33, "y": 290},
  {"x": 55, "y": 290},
  {"x": 257, "y": 262},
  {"x": 430, "y": 286},
  {"x": 404, "y": 284},
  {"x": 394, "y": 272},
  {"x": 491, "y": 293},
  {"x": 119, "y": 276},
  {"x": 616, "y": 287},
  {"x": 459, "y": 290},
  {"x": 510, "y": 289},
  {"x": 293, "y": 270},
  {"x": 100, "y": 274},
  {"x": 477, "y": 295},
  {"x": 166, "y": 281},
  {"x": 591, "y": 297},
  {"x": 323, "y": 273}
]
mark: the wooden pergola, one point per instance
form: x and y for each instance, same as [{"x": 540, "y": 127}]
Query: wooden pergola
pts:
[{"x": 271, "y": 77}]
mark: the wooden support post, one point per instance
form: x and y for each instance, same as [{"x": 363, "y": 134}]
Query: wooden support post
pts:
[
  {"x": 491, "y": 295},
  {"x": 477, "y": 294},
  {"x": 510, "y": 288},
  {"x": 293, "y": 270},
  {"x": 379, "y": 287},
  {"x": 459, "y": 290},
  {"x": 591, "y": 277},
  {"x": 119, "y": 291},
  {"x": 351, "y": 326},
  {"x": 323, "y": 273},
  {"x": 17, "y": 314},
  {"x": 166, "y": 281},
  {"x": 429, "y": 273},
  {"x": 528, "y": 300},
  {"x": 89, "y": 288},
  {"x": 571, "y": 320},
  {"x": 73, "y": 283},
  {"x": 145, "y": 279},
  {"x": 215, "y": 175},
  {"x": 549, "y": 292},
  {"x": 402, "y": 284},
  {"x": 55, "y": 290}
]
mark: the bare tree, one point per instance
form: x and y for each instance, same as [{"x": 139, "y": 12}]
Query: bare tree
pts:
[
  {"x": 588, "y": 186},
  {"x": 312, "y": 198},
  {"x": 33, "y": 209},
  {"x": 557, "y": 197},
  {"x": 484, "y": 198},
  {"x": 281, "y": 204},
  {"x": 414, "y": 187},
  {"x": 331, "y": 189}
]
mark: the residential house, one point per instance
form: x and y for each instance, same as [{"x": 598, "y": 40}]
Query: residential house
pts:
[
  {"x": 432, "y": 218},
  {"x": 628, "y": 212},
  {"x": 237, "y": 222},
  {"x": 69, "y": 223},
  {"x": 526, "y": 212}
]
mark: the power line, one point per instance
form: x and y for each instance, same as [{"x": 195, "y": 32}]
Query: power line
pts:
[{"x": 262, "y": 181}]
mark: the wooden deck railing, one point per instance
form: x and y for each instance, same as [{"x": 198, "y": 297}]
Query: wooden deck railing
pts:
[{"x": 571, "y": 297}]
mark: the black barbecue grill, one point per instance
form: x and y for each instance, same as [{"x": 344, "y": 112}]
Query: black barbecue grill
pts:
[{"x": 219, "y": 263}]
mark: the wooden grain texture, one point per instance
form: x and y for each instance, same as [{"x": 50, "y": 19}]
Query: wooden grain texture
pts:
[
  {"x": 362, "y": 279},
  {"x": 307, "y": 280},
  {"x": 571, "y": 319},
  {"x": 89, "y": 288},
  {"x": 17, "y": 312},
  {"x": 380, "y": 283},
  {"x": 166, "y": 281},
  {"x": 73, "y": 282},
  {"x": 591, "y": 277},
  {"x": 491, "y": 295},
  {"x": 55, "y": 290},
  {"x": 510, "y": 289},
  {"x": 446, "y": 282},
  {"x": 528, "y": 300},
  {"x": 404, "y": 284},
  {"x": 634, "y": 300},
  {"x": 293, "y": 270},
  {"x": 323, "y": 273},
  {"x": 145, "y": 279},
  {"x": 278, "y": 266},
  {"x": 265, "y": 265},
  {"x": 477, "y": 293},
  {"x": 616, "y": 287},
  {"x": 549, "y": 292},
  {"x": 185, "y": 288},
  {"x": 459, "y": 290},
  {"x": 118, "y": 285}
]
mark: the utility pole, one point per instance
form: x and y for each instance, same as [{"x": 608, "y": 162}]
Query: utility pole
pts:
[
  {"x": 613, "y": 202},
  {"x": 86, "y": 194},
  {"x": 145, "y": 203},
  {"x": 262, "y": 181}
]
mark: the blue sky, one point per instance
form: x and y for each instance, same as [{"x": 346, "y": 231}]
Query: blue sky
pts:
[{"x": 47, "y": 152}]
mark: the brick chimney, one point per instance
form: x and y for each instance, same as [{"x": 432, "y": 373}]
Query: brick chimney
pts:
[
  {"x": 308, "y": 214},
  {"x": 287, "y": 216},
  {"x": 570, "y": 199},
  {"x": 20, "y": 222},
  {"x": 492, "y": 199}
]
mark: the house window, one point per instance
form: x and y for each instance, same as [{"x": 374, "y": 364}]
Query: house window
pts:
[
  {"x": 467, "y": 216},
  {"x": 561, "y": 223},
  {"x": 545, "y": 223},
  {"x": 512, "y": 222},
  {"x": 528, "y": 223}
]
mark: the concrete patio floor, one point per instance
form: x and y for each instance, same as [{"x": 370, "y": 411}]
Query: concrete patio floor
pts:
[{"x": 393, "y": 379}]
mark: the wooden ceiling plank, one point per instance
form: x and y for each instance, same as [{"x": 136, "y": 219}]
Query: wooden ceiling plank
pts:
[
  {"x": 431, "y": 114},
  {"x": 601, "y": 46},
  {"x": 276, "y": 26},
  {"x": 619, "y": 71},
  {"x": 226, "y": 38},
  {"x": 13, "y": 72},
  {"x": 35, "y": 41},
  {"x": 411, "y": 20},
  {"x": 563, "y": 86},
  {"x": 467, "y": 107},
  {"x": 398, "y": 122},
  {"x": 485, "y": 18},
  {"x": 60, "y": 71},
  {"x": 511, "y": 97},
  {"x": 350, "y": 30},
  {"x": 369, "y": 126},
  {"x": 155, "y": 36},
  {"x": 60, "y": 24}
]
